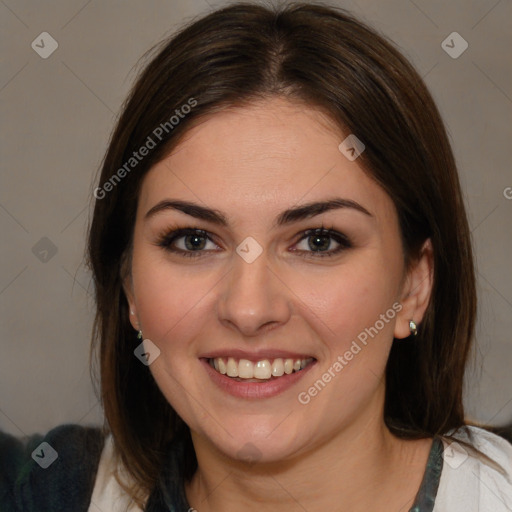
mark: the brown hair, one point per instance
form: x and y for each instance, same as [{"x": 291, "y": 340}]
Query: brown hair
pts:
[{"x": 325, "y": 58}]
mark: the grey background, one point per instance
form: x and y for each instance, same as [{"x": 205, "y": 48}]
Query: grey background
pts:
[{"x": 57, "y": 115}]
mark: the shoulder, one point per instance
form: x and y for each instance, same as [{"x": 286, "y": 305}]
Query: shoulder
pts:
[
  {"x": 168, "y": 493},
  {"x": 107, "y": 493},
  {"x": 477, "y": 472},
  {"x": 52, "y": 471}
]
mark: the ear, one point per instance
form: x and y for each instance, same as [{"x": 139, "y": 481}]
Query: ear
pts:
[
  {"x": 416, "y": 291},
  {"x": 127, "y": 284}
]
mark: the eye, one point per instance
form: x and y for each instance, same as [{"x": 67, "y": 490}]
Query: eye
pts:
[
  {"x": 193, "y": 241},
  {"x": 320, "y": 239}
]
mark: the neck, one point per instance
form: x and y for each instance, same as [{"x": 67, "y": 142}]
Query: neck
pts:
[{"x": 363, "y": 467}]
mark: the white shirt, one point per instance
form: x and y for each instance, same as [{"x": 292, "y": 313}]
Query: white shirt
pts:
[
  {"x": 467, "y": 483},
  {"x": 107, "y": 493}
]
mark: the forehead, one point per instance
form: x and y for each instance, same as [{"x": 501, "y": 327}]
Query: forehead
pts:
[{"x": 262, "y": 157}]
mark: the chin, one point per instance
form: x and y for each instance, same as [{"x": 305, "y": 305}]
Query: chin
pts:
[{"x": 255, "y": 443}]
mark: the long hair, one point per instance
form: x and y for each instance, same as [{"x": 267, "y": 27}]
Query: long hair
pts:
[{"x": 329, "y": 60}]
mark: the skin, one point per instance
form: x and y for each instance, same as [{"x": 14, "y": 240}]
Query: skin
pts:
[{"x": 252, "y": 163}]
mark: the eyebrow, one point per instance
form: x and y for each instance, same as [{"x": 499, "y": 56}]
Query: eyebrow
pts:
[{"x": 289, "y": 216}]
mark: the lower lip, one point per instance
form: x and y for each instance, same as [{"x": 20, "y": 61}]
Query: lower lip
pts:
[{"x": 265, "y": 389}]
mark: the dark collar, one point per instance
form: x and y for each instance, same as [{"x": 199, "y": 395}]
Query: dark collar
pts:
[{"x": 426, "y": 496}]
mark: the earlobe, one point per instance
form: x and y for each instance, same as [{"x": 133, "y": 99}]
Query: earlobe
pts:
[
  {"x": 416, "y": 294},
  {"x": 128, "y": 292},
  {"x": 133, "y": 314},
  {"x": 127, "y": 284}
]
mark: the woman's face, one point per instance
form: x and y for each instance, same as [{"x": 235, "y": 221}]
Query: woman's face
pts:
[{"x": 257, "y": 292}]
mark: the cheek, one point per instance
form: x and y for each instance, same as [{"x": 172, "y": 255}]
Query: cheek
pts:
[
  {"x": 351, "y": 299},
  {"x": 170, "y": 300},
  {"x": 352, "y": 312}
]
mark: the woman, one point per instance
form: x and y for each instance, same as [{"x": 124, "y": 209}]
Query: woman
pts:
[{"x": 285, "y": 287}]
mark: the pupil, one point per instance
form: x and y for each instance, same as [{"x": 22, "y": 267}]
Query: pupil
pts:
[
  {"x": 320, "y": 246},
  {"x": 196, "y": 244}
]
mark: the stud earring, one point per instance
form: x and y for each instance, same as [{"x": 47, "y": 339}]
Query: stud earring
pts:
[{"x": 413, "y": 327}]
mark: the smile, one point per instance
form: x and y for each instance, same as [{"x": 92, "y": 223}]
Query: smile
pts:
[{"x": 265, "y": 369}]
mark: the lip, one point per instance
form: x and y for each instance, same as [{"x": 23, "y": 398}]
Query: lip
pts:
[
  {"x": 255, "y": 356},
  {"x": 254, "y": 390}
]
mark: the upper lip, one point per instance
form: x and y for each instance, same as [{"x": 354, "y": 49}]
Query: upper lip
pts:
[{"x": 255, "y": 355}]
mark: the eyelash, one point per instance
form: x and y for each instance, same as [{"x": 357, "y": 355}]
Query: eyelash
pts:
[{"x": 168, "y": 237}]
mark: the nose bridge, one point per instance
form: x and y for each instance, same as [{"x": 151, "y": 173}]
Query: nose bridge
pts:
[{"x": 253, "y": 296}]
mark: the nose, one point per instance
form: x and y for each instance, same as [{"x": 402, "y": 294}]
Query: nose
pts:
[{"x": 253, "y": 299}]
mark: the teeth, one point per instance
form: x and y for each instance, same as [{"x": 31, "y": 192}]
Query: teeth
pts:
[
  {"x": 231, "y": 368},
  {"x": 263, "y": 370},
  {"x": 245, "y": 369},
  {"x": 278, "y": 368},
  {"x": 222, "y": 365}
]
